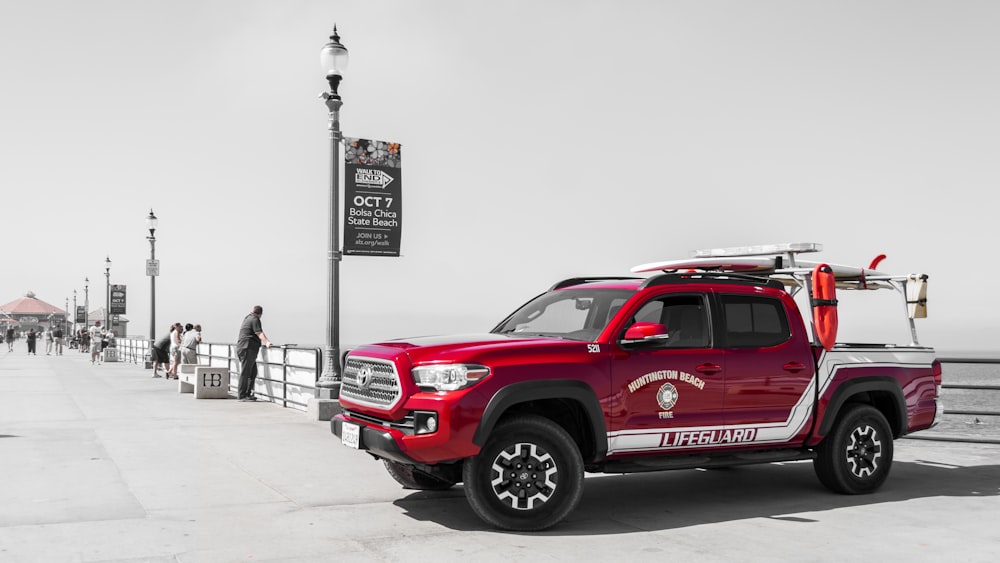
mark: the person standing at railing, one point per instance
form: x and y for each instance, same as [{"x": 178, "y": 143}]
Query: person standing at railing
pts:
[
  {"x": 248, "y": 344},
  {"x": 175, "y": 352},
  {"x": 161, "y": 354},
  {"x": 189, "y": 344}
]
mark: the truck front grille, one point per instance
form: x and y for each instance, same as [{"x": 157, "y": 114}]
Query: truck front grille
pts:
[{"x": 371, "y": 382}]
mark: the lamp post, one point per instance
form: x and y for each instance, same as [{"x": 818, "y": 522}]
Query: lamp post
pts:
[
  {"x": 107, "y": 293},
  {"x": 74, "y": 311},
  {"x": 333, "y": 57},
  {"x": 151, "y": 223},
  {"x": 65, "y": 323},
  {"x": 86, "y": 303}
]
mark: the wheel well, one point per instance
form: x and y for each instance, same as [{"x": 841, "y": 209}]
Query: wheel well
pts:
[
  {"x": 885, "y": 402},
  {"x": 883, "y": 393},
  {"x": 568, "y": 414}
]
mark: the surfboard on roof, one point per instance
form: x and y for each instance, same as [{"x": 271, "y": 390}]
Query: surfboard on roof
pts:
[{"x": 761, "y": 260}]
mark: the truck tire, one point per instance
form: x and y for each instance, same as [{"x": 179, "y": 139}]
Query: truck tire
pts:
[
  {"x": 527, "y": 477},
  {"x": 412, "y": 478},
  {"x": 856, "y": 456}
]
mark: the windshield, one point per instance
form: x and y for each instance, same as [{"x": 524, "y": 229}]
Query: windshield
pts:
[{"x": 576, "y": 314}]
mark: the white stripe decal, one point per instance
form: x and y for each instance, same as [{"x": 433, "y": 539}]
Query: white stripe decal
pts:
[{"x": 701, "y": 437}]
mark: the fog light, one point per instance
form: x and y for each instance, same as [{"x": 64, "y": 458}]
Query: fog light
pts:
[{"x": 425, "y": 422}]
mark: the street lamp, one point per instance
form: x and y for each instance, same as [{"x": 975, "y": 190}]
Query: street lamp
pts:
[
  {"x": 151, "y": 223},
  {"x": 107, "y": 292},
  {"x": 86, "y": 303},
  {"x": 74, "y": 311},
  {"x": 333, "y": 59}
]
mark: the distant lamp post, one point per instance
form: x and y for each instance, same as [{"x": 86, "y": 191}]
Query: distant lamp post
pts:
[
  {"x": 74, "y": 311},
  {"x": 107, "y": 292},
  {"x": 334, "y": 59},
  {"x": 151, "y": 223},
  {"x": 86, "y": 302}
]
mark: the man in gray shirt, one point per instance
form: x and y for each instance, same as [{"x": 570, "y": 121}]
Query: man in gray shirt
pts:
[{"x": 248, "y": 343}]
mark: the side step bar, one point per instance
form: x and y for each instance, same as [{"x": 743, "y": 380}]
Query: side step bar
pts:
[{"x": 664, "y": 463}]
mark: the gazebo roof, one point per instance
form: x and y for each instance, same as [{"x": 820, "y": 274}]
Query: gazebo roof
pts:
[{"x": 30, "y": 305}]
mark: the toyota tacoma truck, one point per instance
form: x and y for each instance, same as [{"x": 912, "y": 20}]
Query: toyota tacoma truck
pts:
[{"x": 704, "y": 362}]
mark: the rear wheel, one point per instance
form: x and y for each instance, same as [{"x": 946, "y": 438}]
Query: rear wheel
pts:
[
  {"x": 412, "y": 478},
  {"x": 527, "y": 477},
  {"x": 856, "y": 457}
]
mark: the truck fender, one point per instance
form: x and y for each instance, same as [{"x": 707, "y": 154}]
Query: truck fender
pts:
[
  {"x": 527, "y": 391},
  {"x": 864, "y": 385}
]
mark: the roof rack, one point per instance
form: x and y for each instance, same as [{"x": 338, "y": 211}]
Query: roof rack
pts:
[
  {"x": 588, "y": 279},
  {"x": 777, "y": 263},
  {"x": 716, "y": 277}
]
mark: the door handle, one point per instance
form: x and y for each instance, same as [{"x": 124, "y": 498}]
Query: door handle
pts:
[
  {"x": 709, "y": 368},
  {"x": 794, "y": 367}
]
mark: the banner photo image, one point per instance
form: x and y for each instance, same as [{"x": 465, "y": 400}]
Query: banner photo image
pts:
[
  {"x": 373, "y": 218},
  {"x": 117, "y": 299}
]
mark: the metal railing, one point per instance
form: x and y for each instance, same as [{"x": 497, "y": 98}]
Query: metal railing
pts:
[
  {"x": 286, "y": 375},
  {"x": 964, "y": 412},
  {"x": 969, "y": 360}
]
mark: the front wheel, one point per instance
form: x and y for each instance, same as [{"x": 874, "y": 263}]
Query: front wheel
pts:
[
  {"x": 856, "y": 456},
  {"x": 527, "y": 477}
]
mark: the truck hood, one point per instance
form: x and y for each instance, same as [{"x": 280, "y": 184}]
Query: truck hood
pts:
[{"x": 459, "y": 347}]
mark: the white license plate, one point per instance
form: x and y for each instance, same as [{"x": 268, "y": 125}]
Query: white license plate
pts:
[{"x": 350, "y": 435}]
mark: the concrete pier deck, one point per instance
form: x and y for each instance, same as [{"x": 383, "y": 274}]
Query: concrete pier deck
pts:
[{"x": 105, "y": 463}]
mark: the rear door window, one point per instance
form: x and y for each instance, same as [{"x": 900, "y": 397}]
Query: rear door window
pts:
[{"x": 753, "y": 321}]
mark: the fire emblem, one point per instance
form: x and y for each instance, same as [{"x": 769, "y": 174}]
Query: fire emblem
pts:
[{"x": 667, "y": 396}]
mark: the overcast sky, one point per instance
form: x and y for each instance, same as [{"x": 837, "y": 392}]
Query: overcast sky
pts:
[{"x": 540, "y": 140}]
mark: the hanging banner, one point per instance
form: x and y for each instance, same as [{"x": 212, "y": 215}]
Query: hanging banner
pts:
[
  {"x": 81, "y": 314},
  {"x": 117, "y": 299},
  {"x": 373, "y": 190}
]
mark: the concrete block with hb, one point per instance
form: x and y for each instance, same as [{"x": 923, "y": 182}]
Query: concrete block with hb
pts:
[{"x": 206, "y": 382}]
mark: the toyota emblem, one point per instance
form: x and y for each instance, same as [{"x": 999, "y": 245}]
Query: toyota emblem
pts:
[{"x": 364, "y": 377}]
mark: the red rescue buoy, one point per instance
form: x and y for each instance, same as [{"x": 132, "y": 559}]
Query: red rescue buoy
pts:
[{"x": 824, "y": 305}]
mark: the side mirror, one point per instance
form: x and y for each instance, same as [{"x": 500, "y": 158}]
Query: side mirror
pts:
[{"x": 641, "y": 333}]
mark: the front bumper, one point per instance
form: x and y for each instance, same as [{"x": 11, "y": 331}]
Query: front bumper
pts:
[{"x": 373, "y": 440}]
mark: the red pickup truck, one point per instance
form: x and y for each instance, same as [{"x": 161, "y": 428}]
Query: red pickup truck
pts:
[{"x": 706, "y": 363}]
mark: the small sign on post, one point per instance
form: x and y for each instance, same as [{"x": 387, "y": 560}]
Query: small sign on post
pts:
[{"x": 152, "y": 268}]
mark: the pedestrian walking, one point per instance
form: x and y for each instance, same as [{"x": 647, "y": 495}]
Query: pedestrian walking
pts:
[
  {"x": 248, "y": 343},
  {"x": 57, "y": 336},
  {"x": 32, "y": 335},
  {"x": 48, "y": 341},
  {"x": 95, "y": 333},
  {"x": 10, "y": 339},
  {"x": 189, "y": 344}
]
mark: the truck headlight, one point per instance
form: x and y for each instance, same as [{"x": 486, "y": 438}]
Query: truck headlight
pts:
[{"x": 449, "y": 377}]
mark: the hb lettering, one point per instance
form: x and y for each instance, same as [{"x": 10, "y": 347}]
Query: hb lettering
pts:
[{"x": 212, "y": 380}]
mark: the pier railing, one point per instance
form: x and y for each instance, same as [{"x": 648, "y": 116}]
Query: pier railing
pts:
[{"x": 286, "y": 375}]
